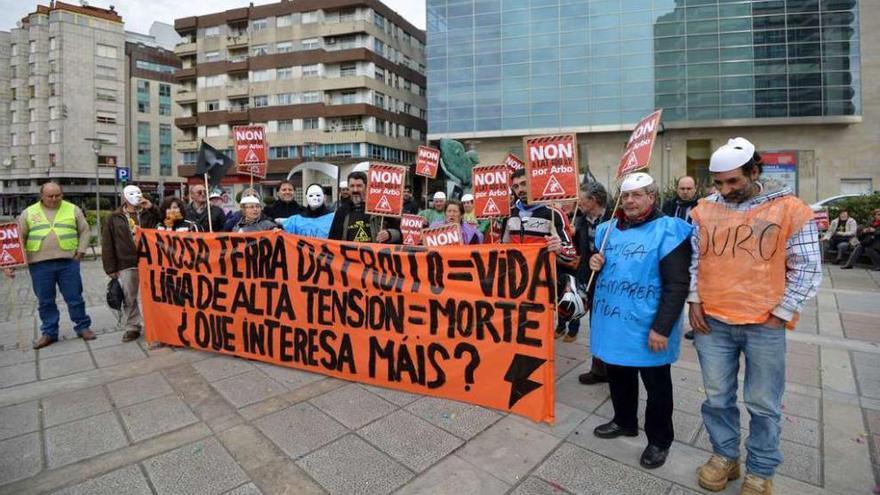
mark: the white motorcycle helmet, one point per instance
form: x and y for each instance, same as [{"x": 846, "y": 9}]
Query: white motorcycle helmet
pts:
[{"x": 571, "y": 305}]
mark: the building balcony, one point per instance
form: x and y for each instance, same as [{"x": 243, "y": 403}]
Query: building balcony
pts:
[
  {"x": 185, "y": 74},
  {"x": 347, "y": 27},
  {"x": 187, "y": 144},
  {"x": 185, "y": 48},
  {"x": 241, "y": 66},
  {"x": 182, "y": 122},
  {"x": 186, "y": 95},
  {"x": 237, "y": 89},
  {"x": 236, "y": 115},
  {"x": 237, "y": 40}
]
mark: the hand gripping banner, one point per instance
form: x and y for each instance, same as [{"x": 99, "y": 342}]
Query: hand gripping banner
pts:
[{"x": 469, "y": 323}]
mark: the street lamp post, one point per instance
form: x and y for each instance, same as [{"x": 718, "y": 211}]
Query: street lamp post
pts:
[{"x": 96, "y": 147}]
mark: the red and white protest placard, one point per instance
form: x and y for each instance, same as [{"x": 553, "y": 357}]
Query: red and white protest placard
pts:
[
  {"x": 637, "y": 154},
  {"x": 385, "y": 189},
  {"x": 11, "y": 246},
  {"x": 551, "y": 168},
  {"x": 491, "y": 191},
  {"x": 513, "y": 162},
  {"x": 444, "y": 235},
  {"x": 251, "y": 150},
  {"x": 427, "y": 161},
  {"x": 411, "y": 229}
]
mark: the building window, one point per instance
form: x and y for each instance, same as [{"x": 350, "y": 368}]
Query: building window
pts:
[
  {"x": 33, "y": 160},
  {"x": 32, "y": 46},
  {"x": 285, "y": 73},
  {"x": 13, "y": 72},
  {"x": 107, "y": 137},
  {"x": 143, "y": 158},
  {"x": 285, "y": 98},
  {"x": 380, "y": 74},
  {"x": 347, "y": 70},
  {"x": 14, "y": 139},
  {"x": 212, "y": 131},
  {"x": 276, "y": 152},
  {"x": 285, "y": 125},
  {"x": 32, "y": 137},
  {"x": 212, "y": 32},
  {"x": 259, "y": 50},
  {"x": 52, "y": 91},
  {"x": 309, "y": 17},
  {"x": 261, "y": 101},
  {"x": 153, "y": 66},
  {"x": 164, "y": 99},
  {"x": 15, "y": 93},
  {"x": 311, "y": 97},
  {"x": 105, "y": 51},
  {"x": 261, "y": 75},
  {"x": 379, "y": 99},
  {"x": 53, "y": 136},
  {"x": 259, "y": 24},
  {"x": 32, "y": 115},
  {"x": 14, "y": 115},
  {"x": 213, "y": 81},
  {"x": 105, "y": 72},
  {"x": 349, "y": 97},
  {"x": 104, "y": 117},
  {"x": 378, "y": 46},
  {"x": 212, "y": 56},
  {"x": 14, "y": 50},
  {"x": 312, "y": 70},
  {"x": 283, "y": 20},
  {"x": 212, "y": 105},
  {"x": 53, "y": 160},
  {"x": 311, "y": 123},
  {"x": 143, "y": 96},
  {"x": 284, "y": 47},
  {"x": 164, "y": 149},
  {"x": 310, "y": 43},
  {"x": 32, "y": 91},
  {"x": 53, "y": 43},
  {"x": 378, "y": 19}
]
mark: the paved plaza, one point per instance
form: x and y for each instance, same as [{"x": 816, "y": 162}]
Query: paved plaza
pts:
[{"x": 103, "y": 417}]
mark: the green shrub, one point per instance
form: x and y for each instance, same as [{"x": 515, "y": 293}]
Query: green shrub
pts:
[
  {"x": 859, "y": 207},
  {"x": 91, "y": 217}
]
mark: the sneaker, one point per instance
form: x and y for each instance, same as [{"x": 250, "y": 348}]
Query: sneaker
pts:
[
  {"x": 715, "y": 474},
  {"x": 568, "y": 339},
  {"x": 755, "y": 485},
  {"x": 130, "y": 335}
]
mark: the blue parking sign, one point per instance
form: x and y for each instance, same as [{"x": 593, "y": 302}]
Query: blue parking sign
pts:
[{"x": 123, "y": 174}]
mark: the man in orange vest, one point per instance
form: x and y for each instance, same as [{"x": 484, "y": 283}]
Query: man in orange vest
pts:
[{"x": 756, "y": 260}]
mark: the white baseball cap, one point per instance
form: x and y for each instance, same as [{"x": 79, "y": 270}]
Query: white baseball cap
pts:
[
  {"x": 440, "y": 195},
  {"x": 215, "y": 194},
  {"x": 467, "y": 197},
  {"x": 249, "y": 200},
  {"x": 343, "y": 184},
  {"x": 635, "y": 181},
  {"x": 736, "y": 153}
]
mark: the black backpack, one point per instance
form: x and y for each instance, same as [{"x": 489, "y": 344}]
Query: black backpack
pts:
[{"x": 115, "y": 296}]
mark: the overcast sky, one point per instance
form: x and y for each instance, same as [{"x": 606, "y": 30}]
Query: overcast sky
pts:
[{"x": 140, "y": 14}]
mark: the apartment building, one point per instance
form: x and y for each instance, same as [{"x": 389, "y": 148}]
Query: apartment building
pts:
[
  {"x": 150, "y": 113},
  {"x": 61, "y": 87},
  {"x": 336, "y": 82}
]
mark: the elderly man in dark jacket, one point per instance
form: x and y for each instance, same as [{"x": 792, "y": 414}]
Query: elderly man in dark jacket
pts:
[{"x": 119, "y": 253}]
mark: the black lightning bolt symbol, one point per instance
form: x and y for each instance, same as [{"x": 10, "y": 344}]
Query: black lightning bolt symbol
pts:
[{"x": 518, "y": 374}]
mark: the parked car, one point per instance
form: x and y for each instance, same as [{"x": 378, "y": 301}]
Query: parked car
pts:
[{"x": 820, "y": 209}]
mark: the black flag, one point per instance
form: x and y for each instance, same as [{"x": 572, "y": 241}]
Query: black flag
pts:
[{"x": 213, "y": 163}]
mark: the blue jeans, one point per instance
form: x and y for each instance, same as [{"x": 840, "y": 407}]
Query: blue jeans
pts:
[
  {"x": 64, "y": 273},
  {"x": 764, "y": 349}
]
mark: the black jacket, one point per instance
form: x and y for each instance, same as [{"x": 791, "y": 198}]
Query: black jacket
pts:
[
  {"x": 411, "y": 207},
  {"x": 585, "y": 243},
  {"x": 218, "y": 217},
  {"x": 675, "y": 279},
  {"x": 677, "y": 207},
  {"x": 282, "y": 209},
  {"x": 352, "y": 223}
]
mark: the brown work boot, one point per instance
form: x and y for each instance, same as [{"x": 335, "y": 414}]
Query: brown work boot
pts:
[
  {"x": 715, "y": 474},
  {"x": 87, "y": 335},
  {"x": 755, "y": 485},
  {"x": 130, "y": 335},
  {"x": 44, "y": 341}
]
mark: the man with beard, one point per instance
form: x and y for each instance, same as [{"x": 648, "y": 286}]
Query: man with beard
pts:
[
  {"x": 352, "y": 223},
  {"x": 410, "y": 205}
]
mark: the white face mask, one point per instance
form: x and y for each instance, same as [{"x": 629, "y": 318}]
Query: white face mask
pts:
[
  {"x": 315, "y": 197},
  {"x": 133, "y": 195}
]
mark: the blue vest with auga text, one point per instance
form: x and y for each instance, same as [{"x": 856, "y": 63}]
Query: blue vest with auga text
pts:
[{"x": 628, "y": 292}]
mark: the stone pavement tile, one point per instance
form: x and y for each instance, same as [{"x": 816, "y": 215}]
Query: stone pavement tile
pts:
[
  {"x": 866, "y": 359},
  {"x": 581, "y": 471},
  {"x": 62, "y": 347},
  {"x": 847, "y": 465},
  {"x": 453, "y": 476},
  {"x": 128, "y": 480},
  {"x": 802, "y": 360},
  {"x": 149, "y": 419},
  {"x": 109, "y": 339},
  {"x": 686, "y": 378},
  {"x": 67, "y": 364},
  {"x": 123, "y": 353},
  {"x": 18, "y": 374},
  {"x": 300, "y": 429},
  {"x": 536, "y": 486},
  {"x": 578, "y": 350},
  {"x": 19, "y": 458},
  {"x": 499, "y": 450},
  {"x": 398, "y": 397},
  {"x": 289, "y": 377},
  {"x": 565, "y": 364},
  {"x": 412, "y": 441},
  {"x": 74, "y": 405},
  {"x": 804, "y": 376},
  {"x": 248, "y": 388},
  {"x": 202, "y": 467},
  {"x": 220, "y": 367},
  {"x": 586, "y": 398},
  {"x": 872, "y": 416},
  {"x": 19, "y": 419},
  {"x": 138, "y": 389},
  {"x": 567, "y": 419},
  {"x": 246, "y": 489},
  {"x": 800, "y": 430},
  {"x": 350, "y": 465},
  {"x": 353, "y": 406},
  {"x": 16, "y": 356},
  {"x": 858, "y": 303},
  {"x": 460, "y": 419},
  {"x": 680, "y": 490},
  {"x": 82, "y": 439},
  {"x": 800, "y": 405},
  {"x": 801, "y": 348}
]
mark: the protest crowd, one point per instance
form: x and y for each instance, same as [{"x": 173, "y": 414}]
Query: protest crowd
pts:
[{"x": 739, "y": 262}]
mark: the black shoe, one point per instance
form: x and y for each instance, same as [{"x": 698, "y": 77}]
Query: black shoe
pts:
[
  {"x": 612, "y": 430},
  {"x": 592, "y": 378},
  {"x": 653, "y": 457},
  {"x": 689, "y": 335},
  {"x": 846, "y": 267}
]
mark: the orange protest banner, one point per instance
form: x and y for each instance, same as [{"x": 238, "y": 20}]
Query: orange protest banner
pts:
[
  {"x": 427, "y": 161},
  {"x": 11, "y": 247},
  {"x": 469, "y": 323},
  {"x": 491, "y": 191},
  {"x": 640, "y": 145},
  {"x": 444, "y": 235},
  {"x": 551, "y": 168},
  {"x": 411, "y": 229},
  {"x": 385, "y": 189}
]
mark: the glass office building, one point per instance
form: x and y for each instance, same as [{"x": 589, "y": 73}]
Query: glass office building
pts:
[{"x": 502, "y": 67}]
